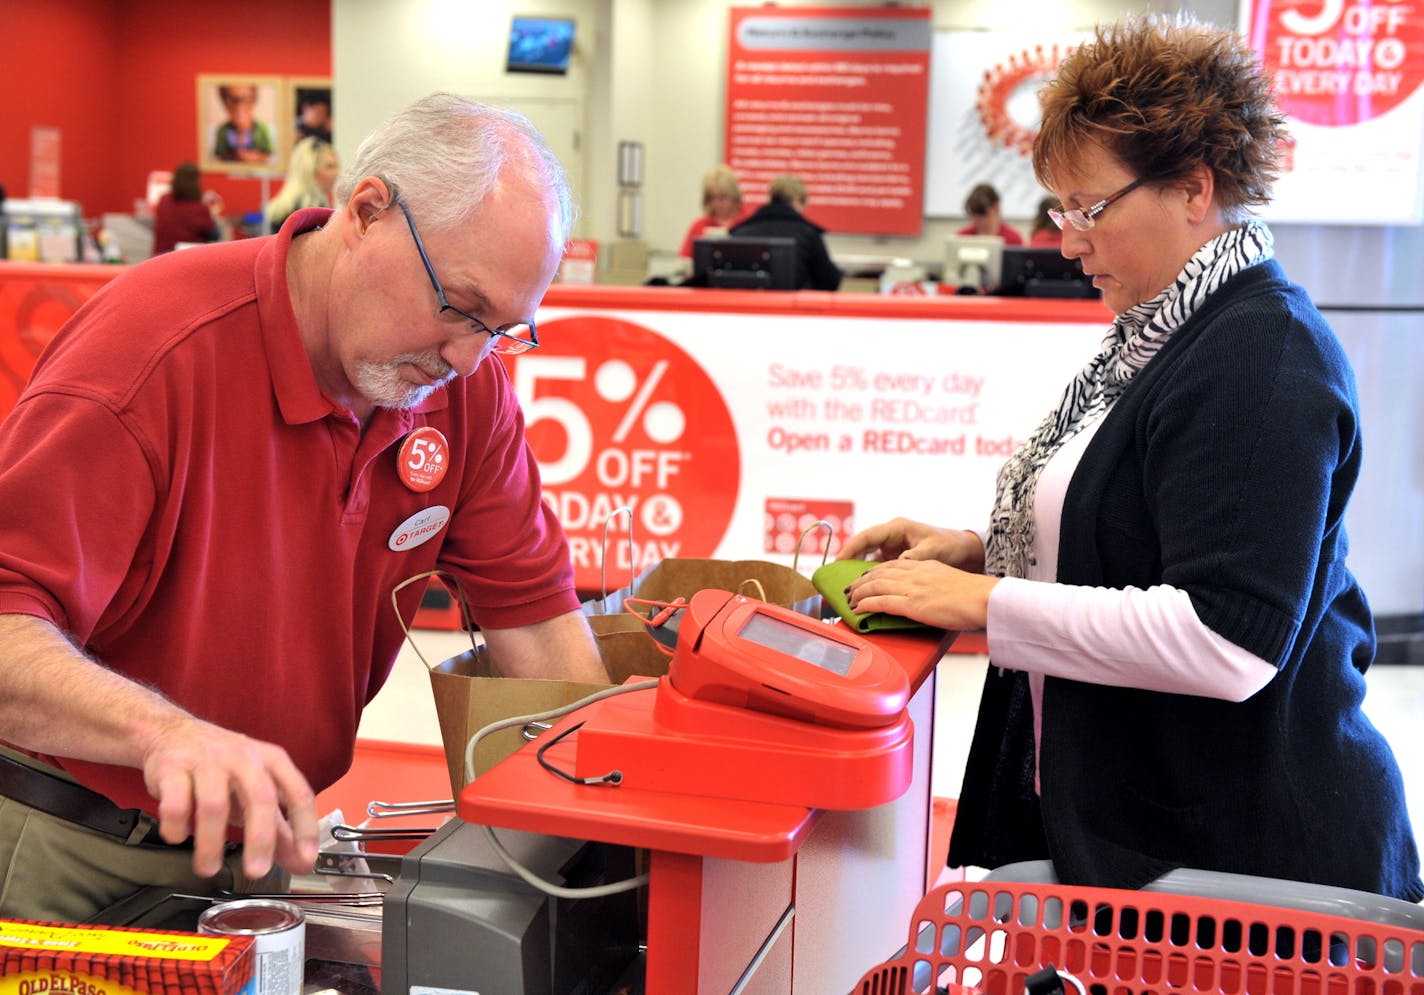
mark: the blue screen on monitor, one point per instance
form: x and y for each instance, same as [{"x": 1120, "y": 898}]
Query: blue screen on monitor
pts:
[{"x": 540, "y": 45}]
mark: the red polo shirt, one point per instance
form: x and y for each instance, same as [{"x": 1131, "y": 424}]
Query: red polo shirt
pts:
[{"x": 181, "y": 497}]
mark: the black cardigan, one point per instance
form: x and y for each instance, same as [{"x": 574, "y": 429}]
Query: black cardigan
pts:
[{"x": 1223, "y": 470}]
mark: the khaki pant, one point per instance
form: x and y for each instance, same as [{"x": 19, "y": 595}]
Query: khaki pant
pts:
[{"x": 58, "y": 871}]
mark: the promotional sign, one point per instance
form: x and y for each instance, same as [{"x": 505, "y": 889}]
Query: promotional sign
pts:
[
  {"x": 838, "y": 97},
  {"x": 620, "y": 417},
  {"x": 984, "y": 116},
  {"x": 732, "y": 435},
  {"x": 580, "y": 262},
  {"x": 1347, "y": 76}
]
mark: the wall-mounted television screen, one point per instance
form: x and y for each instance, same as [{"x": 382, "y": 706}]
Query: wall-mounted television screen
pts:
[{"x": 540, "y": 45}]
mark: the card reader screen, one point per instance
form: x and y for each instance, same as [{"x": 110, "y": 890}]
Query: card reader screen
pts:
[{"x": 828, "y": 654}]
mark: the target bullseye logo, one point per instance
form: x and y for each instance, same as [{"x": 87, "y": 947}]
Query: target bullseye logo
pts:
[
  {"x": 1007, "y": 99},
  {"x": 619, "y": 416}
]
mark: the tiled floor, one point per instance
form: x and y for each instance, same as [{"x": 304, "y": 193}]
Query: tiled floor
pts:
[{"x": 404, "y": 711}]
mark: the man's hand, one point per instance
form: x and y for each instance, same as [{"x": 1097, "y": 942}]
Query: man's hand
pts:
[
  {"x": 206, "y": 778},
  {"x": 55, "y": 700}
]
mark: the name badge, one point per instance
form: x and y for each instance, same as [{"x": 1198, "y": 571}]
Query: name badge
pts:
[{"x": 421, "y": 527}]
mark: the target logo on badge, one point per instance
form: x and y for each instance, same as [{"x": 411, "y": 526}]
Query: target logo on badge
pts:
[{"x": 620, "y": 417}]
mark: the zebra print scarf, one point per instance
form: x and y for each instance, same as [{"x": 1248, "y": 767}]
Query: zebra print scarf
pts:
[{"x": 1134, "y": 338}]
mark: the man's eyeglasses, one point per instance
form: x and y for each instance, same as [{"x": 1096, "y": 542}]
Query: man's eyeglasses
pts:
[
  {"x": 508, "y": 341},
  {"x": 1081, "y": 218}
]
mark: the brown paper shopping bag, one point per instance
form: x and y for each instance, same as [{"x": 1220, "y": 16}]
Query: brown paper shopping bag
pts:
[
  {"x": 682, "y": 577},
  {"x": 469, "y": 693},
  {"x": 623, "y": 641}
]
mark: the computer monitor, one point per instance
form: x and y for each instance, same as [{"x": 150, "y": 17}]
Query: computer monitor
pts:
[
  {"x": 972, "y": 262},
  {"x": 1042, "y": 271},
  {"x": 744, "y": 263}
]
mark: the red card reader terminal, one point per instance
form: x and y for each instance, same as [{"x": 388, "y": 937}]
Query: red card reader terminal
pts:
[{"x": 750, "y": 654}]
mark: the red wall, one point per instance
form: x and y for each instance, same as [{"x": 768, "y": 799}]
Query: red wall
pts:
[{"x": 119, "y": 78}]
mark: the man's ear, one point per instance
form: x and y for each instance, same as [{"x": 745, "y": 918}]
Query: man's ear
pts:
[{"x": 368, "y": 199}]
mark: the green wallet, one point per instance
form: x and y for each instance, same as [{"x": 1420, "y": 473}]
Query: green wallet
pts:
[{"x": 831, "y": 579}]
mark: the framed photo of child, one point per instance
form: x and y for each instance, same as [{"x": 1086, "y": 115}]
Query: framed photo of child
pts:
[
  {"x": 240, "y": 124},
  {"x": 309, "y": 108}
]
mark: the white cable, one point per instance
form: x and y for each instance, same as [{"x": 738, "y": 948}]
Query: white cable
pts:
[
  {"x": 559, "y": 891},
  {"x": 553, "y": 713},
  {"x": 548, "y": 887}
]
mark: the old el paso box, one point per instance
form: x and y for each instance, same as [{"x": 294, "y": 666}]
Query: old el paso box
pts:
[{"x": 49, "y": 959}]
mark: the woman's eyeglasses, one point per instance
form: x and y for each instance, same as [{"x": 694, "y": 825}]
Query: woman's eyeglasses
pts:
[{"x": 1081, "y": 218}]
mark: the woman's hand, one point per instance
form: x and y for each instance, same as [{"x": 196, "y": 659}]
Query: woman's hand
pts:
[
  {"x": 926, "y": 590},
  {"x": 906, "y": 539}
]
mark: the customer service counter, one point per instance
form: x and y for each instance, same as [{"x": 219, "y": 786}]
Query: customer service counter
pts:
[{"x": 729, "y": 421}]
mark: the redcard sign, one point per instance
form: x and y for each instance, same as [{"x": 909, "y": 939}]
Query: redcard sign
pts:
[
  {"x": 839, "y": 97},
  {"x": 1347, "y": 74}
]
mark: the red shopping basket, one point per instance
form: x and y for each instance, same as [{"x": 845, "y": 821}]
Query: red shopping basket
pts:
[{"x": 992, "y": 935}]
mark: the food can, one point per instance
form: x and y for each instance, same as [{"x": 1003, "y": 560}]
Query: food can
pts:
[{"x": 279, "y": 929}]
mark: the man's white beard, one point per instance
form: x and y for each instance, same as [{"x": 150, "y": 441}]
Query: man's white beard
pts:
[{"x": 383, "y": 385}]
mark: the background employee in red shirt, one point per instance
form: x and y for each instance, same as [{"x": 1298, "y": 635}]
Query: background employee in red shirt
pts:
[{"x": 982, "y": 206}]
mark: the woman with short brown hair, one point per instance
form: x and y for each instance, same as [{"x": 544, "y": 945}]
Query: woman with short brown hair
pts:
[{"x": 1178, "y": 648}]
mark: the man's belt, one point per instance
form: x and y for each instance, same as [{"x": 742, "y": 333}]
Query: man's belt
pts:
[{"x": 74, "y": 803}]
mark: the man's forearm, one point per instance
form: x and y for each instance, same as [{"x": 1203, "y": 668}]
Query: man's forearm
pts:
[
  {"x": 55, "y": 700},
  {"x": 562, "y": 648}
]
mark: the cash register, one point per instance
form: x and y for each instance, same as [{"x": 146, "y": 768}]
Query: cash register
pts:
[{"x": 759, "y": 705}]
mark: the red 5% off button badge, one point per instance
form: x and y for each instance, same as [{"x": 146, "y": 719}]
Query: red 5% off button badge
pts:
[
  {"x": 620, "y": 417},
  {"x": 423, "y": 459}
]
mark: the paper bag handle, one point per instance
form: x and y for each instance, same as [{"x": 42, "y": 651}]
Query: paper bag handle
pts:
[
  {"x": 825, "y": 553},
  {"x": 632, "y": 551},
  {"x": 752, "y": 582},
  {"x": 459, "y": 593}
]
